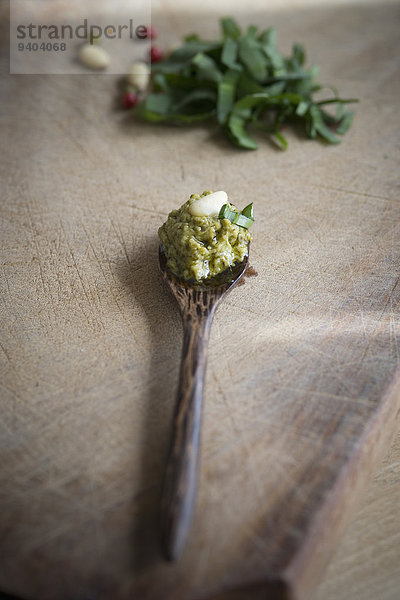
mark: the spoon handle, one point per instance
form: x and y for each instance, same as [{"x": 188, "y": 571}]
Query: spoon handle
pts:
[{"x": 180, "y": 480}]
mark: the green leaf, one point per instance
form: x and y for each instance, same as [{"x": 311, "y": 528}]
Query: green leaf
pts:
[
  {"x": 327, "y": 134},
  {"x": 193, "y": 118},
  {"x": 336, "y": 101},
  {"x": 320, "y": 127},
  {"x": 183, "y": 82},
  {"x": 251, "y": 31},
  {"x": 268, "y": 37},
  {"x": 248, "y": 211},
  {"x": 250, "y": 101},
  {"x": 289, "y": 77},
  {"x": 226, "y": 94},
  {"x": 247, "y": 85},
  {"x": 340, "y": 112},
  {"x": 240, "y": 219},
  {"x": 302, "y": 108},
  {"x": 345, "y": 122},
  {"x": 194, "y": 96},
  {"x": 264, "y": 98},
  {"x": 159, "y": 82},
  {"x": 281, "y": 139},
  {"x": 207, "y": 68},
  {"x": 230, "y": 28},
  {"x": 164, "y": 107},
  {"x": 275, "y": 89},
  {"x": 226, "y": 213},
  {"x": 229, "y": 54},
  {"x": 237, "y": 129},
  {"x": 192, "y": 37},
  {"x": 275, "y": 59},
  {"x": 298, "y": 57},
  {"x": 309, "y": 126},
  {"x": 179, "y": 118},
  {"x": 253, "y": 58},
  {"x": 188, "y": 50},
  {"x": 159, "y": 103},
  {"x": 169, "y": 66}
]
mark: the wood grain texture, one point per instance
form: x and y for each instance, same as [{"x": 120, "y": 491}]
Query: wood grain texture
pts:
[
  {"x": 366, "y": 563},
  {"x": 91, "y": 339}
]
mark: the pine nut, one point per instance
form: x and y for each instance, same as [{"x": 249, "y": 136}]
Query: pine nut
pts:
[
  {"x": 208, "y": 206},
  {"x": 94, "y": 57},
  {"x": 139, "y": 75}
]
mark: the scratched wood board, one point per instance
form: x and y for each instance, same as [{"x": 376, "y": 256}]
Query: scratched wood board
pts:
[
  {"x": 366, "y": 564},
  {"x": 302, "y": 395}
]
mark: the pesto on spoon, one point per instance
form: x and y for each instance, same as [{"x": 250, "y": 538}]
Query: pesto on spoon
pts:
[{"x": 205, "y": 236}]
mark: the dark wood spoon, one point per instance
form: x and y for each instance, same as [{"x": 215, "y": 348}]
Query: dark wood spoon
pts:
[{"x": 197, "y": 303}]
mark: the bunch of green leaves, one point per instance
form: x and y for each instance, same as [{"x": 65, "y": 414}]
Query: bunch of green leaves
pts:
[{"x": 242, "y": 80}]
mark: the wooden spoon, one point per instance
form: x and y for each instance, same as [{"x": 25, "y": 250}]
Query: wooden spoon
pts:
[{"x": 197, "y": 303}]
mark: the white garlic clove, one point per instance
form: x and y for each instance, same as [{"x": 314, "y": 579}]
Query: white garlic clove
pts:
[
  {"x": 93, "y": 57},
  {"x": 210, "y": 205}
]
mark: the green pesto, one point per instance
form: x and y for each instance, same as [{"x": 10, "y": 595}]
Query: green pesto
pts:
[{"x": 201, "y": 247}]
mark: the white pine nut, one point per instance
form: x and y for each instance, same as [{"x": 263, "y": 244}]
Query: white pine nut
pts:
[
  {"x": 93, "y": 57},
  {"x": 208, "y": 206},
  {"x": 139, "y": 75}
]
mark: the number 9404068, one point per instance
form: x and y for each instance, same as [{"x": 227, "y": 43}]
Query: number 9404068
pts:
[{"x": 43, "y": 46}]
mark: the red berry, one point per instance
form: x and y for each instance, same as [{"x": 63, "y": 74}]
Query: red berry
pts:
[
  {"x": 156, "y": 54},
  {"x": 151, "y": 32},
  {"x": 129, "y": 100}
]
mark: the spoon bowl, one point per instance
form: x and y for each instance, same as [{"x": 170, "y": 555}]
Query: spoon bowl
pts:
[{"x": 197, "y": 302}]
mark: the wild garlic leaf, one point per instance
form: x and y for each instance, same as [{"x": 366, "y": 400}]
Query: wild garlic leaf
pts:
[
  {"x": 268, "y": 37},
  {"x": 321, "y": 127},
  {"x": 229, "y": 54},
  {"x": 206, "y": 68},
  {"x": 185, "y": 82},
  {"x": 298, "y": 57},
  {"x": 230, "y": 28},
  {"x": 251, "y": 32},
  {"x": 345, "y": 123},
  {"x": 193, "y": 96},
  {"x": 281, "y": 139},
  {"x": 159, "y": 103},
  {"x": 252, "y": 57},
  {"x": 247, "y": 85},
  {"x": 302, "y": 108},
  {"x": 237, "y": 129},
  {"x": 242, "y": 80},
  {"x": 226, "y": 94},
  {"x": 188, "y": 50}
]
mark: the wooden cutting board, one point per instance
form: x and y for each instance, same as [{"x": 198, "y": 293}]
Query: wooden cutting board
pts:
[{"x": 302, "y": 389}]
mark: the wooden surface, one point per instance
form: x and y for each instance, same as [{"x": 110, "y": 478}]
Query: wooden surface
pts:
[
  {"x": 293, "y": 427},
  {"x": 366, "y": 563}
]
